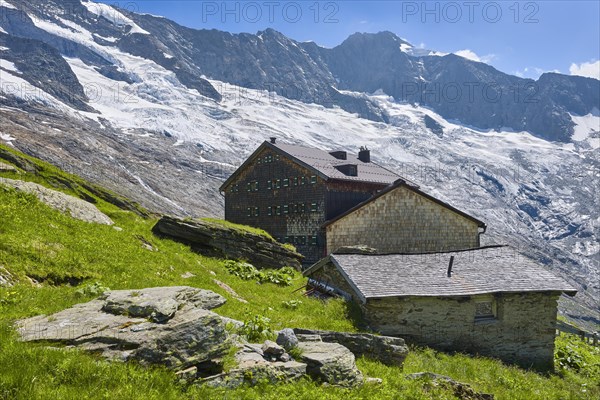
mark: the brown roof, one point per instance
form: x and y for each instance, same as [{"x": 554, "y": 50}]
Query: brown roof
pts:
[
  {"x": 414, "y": 188},
  {"x": 498, "y": 269},
  {"x": 323, "y": 164}
]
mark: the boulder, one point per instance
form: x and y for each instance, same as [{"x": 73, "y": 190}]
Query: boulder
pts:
[
  {"x": 331, "y": 363},
  {"x": 214, "y": 239},
  {"x": 77, "y": 208},
  {"x": 287, "y": 339},
  {"x": 386, "y": 349},
  {"x": 272, "y": 351},
  {"x": 169, "y": 326}
]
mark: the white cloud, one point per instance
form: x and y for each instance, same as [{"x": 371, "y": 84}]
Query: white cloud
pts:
[
  {"x": 471, "y": 55},
  {"x": 590, "y": 69}
]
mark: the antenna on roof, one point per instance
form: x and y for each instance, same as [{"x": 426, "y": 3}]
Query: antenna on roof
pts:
[{"x": 450, "y": 266}]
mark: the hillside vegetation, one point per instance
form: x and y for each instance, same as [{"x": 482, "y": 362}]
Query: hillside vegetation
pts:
[{"x": 56, "y": 261}]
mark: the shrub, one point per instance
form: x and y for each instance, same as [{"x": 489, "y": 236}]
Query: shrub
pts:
[
  {"x": 247, "y": 271},
  {"x": 92, "y": 289},
  {"x": 291, "y": 304},
  {"x": 257, "y": 329}
]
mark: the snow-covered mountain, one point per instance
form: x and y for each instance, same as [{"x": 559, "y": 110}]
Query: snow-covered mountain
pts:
[{"x": 163, "y": 114}]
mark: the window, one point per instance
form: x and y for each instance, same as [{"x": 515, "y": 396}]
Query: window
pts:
[
  {"x": 313, "y": 240},
  {"x": 302, "y": 240},
  {"x": 485, "y": 309},
  {"x": 269, "y": 210},
  {"x": 256, "y": 211},
  {"x": 286, "y": 182},
  {"x": 301, "y": 208},
  {"x": 295, "y": 181},
  {"x": 278, "y": 183},
  {"x": 303, "y": 180},
  {"x": 294, "y": 208},
  {"x": 313, "y": 179},
  {"x": 258, "y": 160},
  {"x": 286, "y": 209},
  {"x": 278, "y": 210},
  {"x": 269, "y": 185},
  {"x": 276, "y": 157},
  {"x": 313, "y": 207},
  {"x": 249, "y": 214}
]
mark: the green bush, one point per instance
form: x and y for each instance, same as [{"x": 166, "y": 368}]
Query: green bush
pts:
[
  {"x": 247, "y": 271},
  {"x": 257, "y": 329}
]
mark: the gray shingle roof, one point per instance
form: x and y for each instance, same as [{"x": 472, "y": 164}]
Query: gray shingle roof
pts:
[
  {"x": 325, "y": 163},
  {"x": 478, "y": 271}
]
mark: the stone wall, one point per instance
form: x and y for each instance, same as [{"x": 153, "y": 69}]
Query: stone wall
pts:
[
  {"x": 521, "y": 332},
  {"x": 403, "y": 221}
]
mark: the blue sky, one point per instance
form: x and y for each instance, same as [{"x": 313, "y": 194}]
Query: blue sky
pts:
[{"x": 524, "y": 38}]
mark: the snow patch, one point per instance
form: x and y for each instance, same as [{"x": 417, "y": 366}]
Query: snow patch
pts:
[
  {"x": 114, "y": 16},
  {"x": 405, "y": 47},
  {"x": 6, "y": 4},
  {"x": 3, "y": 31},
  {"x": 6, "y": 137},
  {"x": 587, "y": 129},
  {"x": 8, "y": 66}
]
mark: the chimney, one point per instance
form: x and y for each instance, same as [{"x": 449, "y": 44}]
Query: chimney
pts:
[
  {"x": 273, "y": 139},
  {"x": 364, "y": 154},
  {"x": 450, "y": 266}
]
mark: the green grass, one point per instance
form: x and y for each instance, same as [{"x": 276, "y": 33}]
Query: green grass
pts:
[
  {"x": 238, "y": 227},
  {"x": 57, "y": 250}
]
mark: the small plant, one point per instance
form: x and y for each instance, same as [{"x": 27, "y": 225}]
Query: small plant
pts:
[
  {"x": 257, "y": 328},
  {"x": 93, "y": 289},
  {"x": 247, "y": 271},
  {"x": 292, "y": 304},
  {"x": 295, "y": 352}
]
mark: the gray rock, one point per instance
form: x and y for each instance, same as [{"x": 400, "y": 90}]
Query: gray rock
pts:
[
  {"x": 308, "y": 337},
  {"x": 158, "y": 304},
  {"x": 274, "y": 372},
  {"x": 77, "y": 208},
  {"x": 386, "y": 349},
  {"x": 331, "y": 363},
  {"x": 7, "y": 168},
  {"x": 287, "y": 339},
  {"x": 217, "y": 240},
  {"x": 285, "y": 357},
  {"x": 6, "y": 278},
  {"x": 461, "y": 390},
  {"x": 272, "y": 350},
  {"x": 187, "y": 333}
]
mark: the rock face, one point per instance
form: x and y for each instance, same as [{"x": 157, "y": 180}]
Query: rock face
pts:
[
  {"x": 331, "y": 363},
  {"x": 216, "y": 240},
  {"x": 386, "y": 349},
  {"x": 169, "y": 326},
  {"x": 77, "y": 208}
]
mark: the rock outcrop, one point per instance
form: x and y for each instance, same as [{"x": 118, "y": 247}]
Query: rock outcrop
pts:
[
  {"x": 386, "y": 349},
  {"x": 77, "y": 208},
  {"x": 461, "y": 390},
  {"x": 223, "y": 241},
  {"x": 174, "y": 327},
  {"x": 170, "y": 326}
]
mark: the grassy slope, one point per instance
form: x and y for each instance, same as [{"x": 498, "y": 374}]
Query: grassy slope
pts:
[{"x": 38, "y": 241}]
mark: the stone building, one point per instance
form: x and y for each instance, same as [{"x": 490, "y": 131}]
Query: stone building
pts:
[
  {"x": 404, "y": 219},
  {"x": 290, "y": 191},
  {"x": 299, "y": 194},
  {"x": 488, "y": 301}
]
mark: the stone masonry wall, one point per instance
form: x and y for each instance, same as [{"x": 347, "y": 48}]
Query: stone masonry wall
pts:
[
  {"x": 403, "y": 221},
  {"x": 522, "y": 332}
]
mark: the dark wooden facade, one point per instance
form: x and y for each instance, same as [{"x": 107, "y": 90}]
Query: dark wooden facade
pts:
[{"x": 291, "y": 201}]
